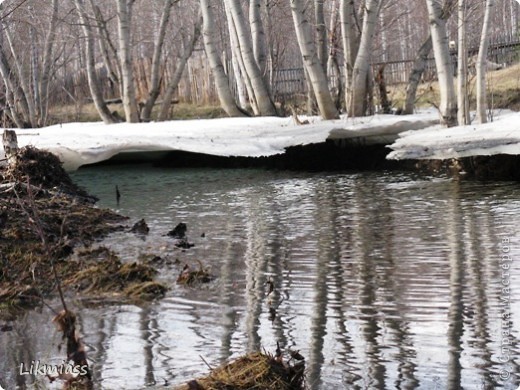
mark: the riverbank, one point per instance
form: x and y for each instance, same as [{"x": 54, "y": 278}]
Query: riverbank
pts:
[
  {"x": 44, "y": 218},
  {"x": 284, "y": 143}
]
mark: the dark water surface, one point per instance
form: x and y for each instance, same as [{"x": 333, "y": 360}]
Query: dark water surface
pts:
[{"x": 382, "y": 281}]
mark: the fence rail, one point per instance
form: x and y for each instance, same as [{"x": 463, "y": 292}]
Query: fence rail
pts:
[{"x": 197, "y": 85}]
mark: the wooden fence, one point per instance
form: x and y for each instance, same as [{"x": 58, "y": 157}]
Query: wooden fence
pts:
[{"x": 197, "y": 86}]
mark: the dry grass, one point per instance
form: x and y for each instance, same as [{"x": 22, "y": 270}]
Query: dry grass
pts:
[
  {"x": 253, "y": 371},
  {"x": 87, "y": 112},
  {"x": 503, "y": 84},
  {"x": 503, "y": 91}
]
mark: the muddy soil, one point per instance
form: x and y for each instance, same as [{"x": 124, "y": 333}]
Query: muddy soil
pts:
[{"x": 44, "y": 217}]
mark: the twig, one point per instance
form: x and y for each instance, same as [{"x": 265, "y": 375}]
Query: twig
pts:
[
  {"x": 206, "y": 363},
  {"x": 36, "y": 221}
]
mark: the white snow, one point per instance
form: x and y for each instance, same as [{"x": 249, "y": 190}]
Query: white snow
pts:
[
  {"x": 78, "y": 144},
  {"x": 502, "y": 136}
]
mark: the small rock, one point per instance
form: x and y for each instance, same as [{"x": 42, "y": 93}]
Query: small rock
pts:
[
  {"x": 184, "y": 244},
  {"x": 179, "y": 231},
  {"x": 140, "y": 227}
]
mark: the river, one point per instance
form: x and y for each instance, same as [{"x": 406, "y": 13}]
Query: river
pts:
[{"x": 382, "y": 280}]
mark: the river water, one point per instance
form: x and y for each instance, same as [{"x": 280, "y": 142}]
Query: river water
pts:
[{"x": 381, "y": 280}]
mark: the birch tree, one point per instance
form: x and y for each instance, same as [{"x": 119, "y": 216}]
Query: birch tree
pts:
[
  {"x": 124, "y": 18},
  {"x": 93, "y": 81},
  {"x": 462, "y": 66},
  {"x": 48, "y": 54},
  {"x": 258, "y": 35},
  {"x": 312, "y": 62},
  {"x": 241, "y": 75},
  {"x": 321, "y": 32},
  {"x": 357, "y": 99},
  {"x": 209, "y": 34},
  {"x": 181, "y": 64},
  {"x": 155, "y": 77},
  {"x": 262, "y": 98},
  {"x": 349, "y": 41},
  {"x": 443, "y": 63},
  {"x": 481, "y": 63},
  {"x": 419, "y": 65}
]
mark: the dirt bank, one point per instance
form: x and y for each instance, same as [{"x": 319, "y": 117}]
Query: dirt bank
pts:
[{"x": 44, "y": 216}]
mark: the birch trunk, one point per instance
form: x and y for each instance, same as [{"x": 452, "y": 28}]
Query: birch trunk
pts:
[
  {"x": 124, "y": 18},
  {"x": 311, "y": 61},
  {"x": 107, "y": 48},
  {"x": 258, "y": 35},
  {"x": 155, "y": 77},
  {"x": 241, "y": 77},
  {"x": 348, "y": 38},
  {"x": 443, "y": 63},
  {"x": 21, "y": 87},
  {"x": 263, "y": 100},
  {"x": 321, "y": 33},
  {"x": 174, "y": 82},
  {"x": 93, "y": 82},
  {"x": 47, "y": 65},
  {"x": 462, "y": 67},
  {"x": 419, "y": 65},
  {"x": 481, "y": 64},
  {"x": 221, "y": 81},
  {"x": 358, "y": 102}
]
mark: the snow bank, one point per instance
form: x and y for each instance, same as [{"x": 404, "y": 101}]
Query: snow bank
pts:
[
  {"x": 79, "y": 144},
  {"x": 502, "y": 136}
]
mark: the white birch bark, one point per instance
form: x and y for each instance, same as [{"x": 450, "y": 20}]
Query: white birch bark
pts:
[
  {"x": 15, "y": 98},
  {"x": 174, "y": 82},
  {"x": 462, "y": 67},
  {"x": 21, "y": 87},
  {"x": 241, "y": 77},
  {"x": 221, "y": 81},
  {"x": 124, "y": 19},
  {"x": 155, "y": 77},
  {"x": 443, "y": 62},
  {"x": 93, "y": 82},
  {"x": 263, "y": 100},
  {"x": 321, "y": 32},
  {"x": 481, "y": 64},
  {"x": 47, "y": 65},
  {"x": 258, "y": 34},
  {"x": 358, "y": 99},
  {"x": 348, "y": 39},
  {"x": 419, "y": 65},
  {"x": 311, "y": 61}
]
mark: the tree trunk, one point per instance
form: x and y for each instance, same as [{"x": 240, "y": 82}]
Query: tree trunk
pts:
[
  {"x": 20, "y": 85},
  {"x": 47, "y": 65},
  {"x": 265, "y": 105},
  {"x": 93, "y": 82},
  {"x": 258, "y": 35},
  {"x": 414, "y": 79},
  {"x": 481, "y": 64},
  {"x": 174, "y": 82},
  {"x": 321, "y": 33},
  {"x": 14, "y": 93},
  {"x": 209, "y": 35},
  {"x": 443, "y": 62},
  {"x": 124, "y": 18},
  {"x": 349, "y": 41},
  {"x": 462, "y": 67},
  {"x": 155, "y": 78},
  {"x": 241, "y": 76},
  {"x": 107, "y": 47},
  {"x": 10, "y": 144},
  {"x": 311, "y": 61},
  {"x": 358, "y": 103}
]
